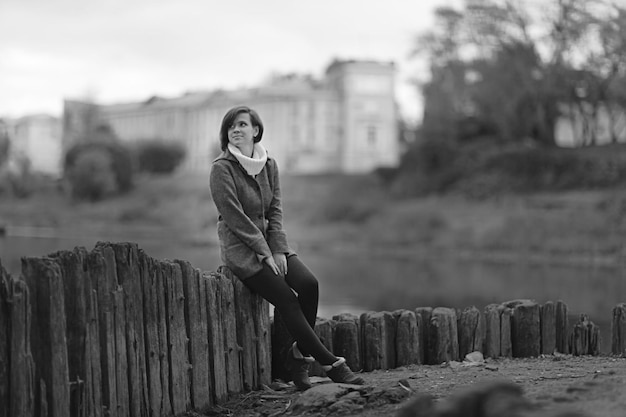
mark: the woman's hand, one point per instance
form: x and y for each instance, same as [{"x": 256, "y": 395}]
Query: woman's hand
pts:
[
  {"x": 281, "y": 262},
  {"x": 272, "y": 264}
]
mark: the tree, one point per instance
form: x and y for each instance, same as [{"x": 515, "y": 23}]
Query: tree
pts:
[{"x": 493, "y": 62}]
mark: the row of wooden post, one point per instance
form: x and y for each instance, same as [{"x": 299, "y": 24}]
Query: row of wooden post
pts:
[
  {"x": 519, "y": 328},
  {"x": 114, "y": 332}
]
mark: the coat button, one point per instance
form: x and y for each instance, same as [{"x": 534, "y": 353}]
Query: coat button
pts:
[{"x": 260, "y": 216}]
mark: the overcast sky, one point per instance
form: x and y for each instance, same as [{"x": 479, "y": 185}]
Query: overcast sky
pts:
[{"x": 128, "y": 50}]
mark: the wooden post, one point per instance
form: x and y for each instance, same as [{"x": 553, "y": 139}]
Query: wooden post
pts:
[
  {"x": 216, "y": 336},
  {"x": 471, "y": 331},
  {"x": 525, "y": 328},
  {"x": 423, "y": 314},
  {"x": 17, "y": 372},
  {"x": 379, "y": 340},
  {"x": 6, "y": 301},
  {"x": 155, "y": 337},
  {"x": 562, "y": 328},
  {"x": 492, "y": 330},
  {"x": 506, "y": 337},
  {"x": 129, "y": 277},
  {"x": 548, "y": 328},
  {"x": 197, "y": 329},
  {"x": 408, "y": 344},
  {"x": 263, "y": 328},
  {"x": 281, "y": 342},
  {"x": 346, "y": 340},
  {"x": 246, "y": 340},
  {"x": 231, "y": 348},
  {"x": 177, "y": 342},
  {"x": 443, "y": 340},
  {"x": 48, "y": 346},
  {"x": 102, "y": 277},
  {"x": 618, "y": 330},
  {"x": 79, "y": 352},
  {"x": 585, "y": 337},
  {"x": 324, "y": 330}
]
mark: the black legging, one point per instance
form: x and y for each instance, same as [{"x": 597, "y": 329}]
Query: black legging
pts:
[{"x": 298, "y": 312}]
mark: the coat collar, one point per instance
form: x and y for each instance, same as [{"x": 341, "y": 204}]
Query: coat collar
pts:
[{"x": 227, "y": 155}]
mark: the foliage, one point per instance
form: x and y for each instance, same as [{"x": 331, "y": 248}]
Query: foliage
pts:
[
  {"x": 506, "y": 65},
  {"x": 483, "y": 169},
  {"x": 109, "y": 163},
  {"x": 159, "y": 157},
  {"x": 91, "y": 174}
]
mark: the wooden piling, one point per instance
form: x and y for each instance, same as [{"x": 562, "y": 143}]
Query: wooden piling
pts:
[
  {"x": 17, "y": 369},
  {"x": 422, "y": 315},
  {"x": 155, "y": 327},
  {"x": 506, "y": 336},
  {"x": 346, "y": 340},
  {"x": 491, "y": 345},
  {"x": 378, "y": 340},
  {"x": 548, "y": 328},
  {"x": 471, "y": 331},
  {"x": 281, "y": 342},
  {"x": 324, "y": 330},
  {"x": 562, "y": 327},
  {"x": 618, "y": 330},
  {"x": 129, "y": 277},
  {"x": 525, "y": 328},
  {"x": 47, "y": 336},
  {"x": 197, "y": 331},
  {"x": 407, "y": 341},
  {"x": 443, "y": 342}
]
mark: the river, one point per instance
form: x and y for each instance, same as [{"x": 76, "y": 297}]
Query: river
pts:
[{"x": 353, "y": 281}]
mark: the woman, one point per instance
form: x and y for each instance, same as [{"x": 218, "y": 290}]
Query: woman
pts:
[{"x": 246, "y": 191}]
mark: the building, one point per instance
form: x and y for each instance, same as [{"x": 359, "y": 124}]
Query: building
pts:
[
  {"x": 346, "y": 122},
  {"x": 585, "y": 125},
  {"x": 36, "y": 141}
]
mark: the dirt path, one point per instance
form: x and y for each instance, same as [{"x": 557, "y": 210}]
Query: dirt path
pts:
[{"x": 594, "y": 386}]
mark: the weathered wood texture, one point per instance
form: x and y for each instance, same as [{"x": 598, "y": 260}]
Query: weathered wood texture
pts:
[
  {"x": 548, "y": 328},
  {"x": 525, "y": 328},
  {"x": 17, "y": 371},
  {"x": 443, "y": 342},
  {"x": 407, "y": 341},
  {"x": 346, "y": 340},
  {"x": 113, "y": 332},
  {"x": 48, "y": 335},
  {"x": 379, "y": 336},
  {"x": 562, "y": 327},
  {"x": 422, "y": 314},
  {"x": 618, "y": 330},
  {"x": 281, "y": 342},
  {"x": 324, "y": 330},
  {"x": 585, "y": 337},
  {"x": 197, "y": 330},
  {"x": 471, "y": 330}
]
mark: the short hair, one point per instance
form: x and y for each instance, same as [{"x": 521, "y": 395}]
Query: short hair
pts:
[{"x": 229, "y": 119}]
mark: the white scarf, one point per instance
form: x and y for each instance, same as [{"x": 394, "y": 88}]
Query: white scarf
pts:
[{"x": 252, "y": 165}]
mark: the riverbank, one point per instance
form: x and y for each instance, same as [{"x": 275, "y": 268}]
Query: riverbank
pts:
[{"x": 551, "y": 386}]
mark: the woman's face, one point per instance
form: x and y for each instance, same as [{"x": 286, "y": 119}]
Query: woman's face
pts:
[{"x": 241, "y": 133}]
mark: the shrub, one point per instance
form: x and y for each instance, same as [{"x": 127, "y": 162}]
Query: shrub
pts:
[
  {"x": 105, "y": 161},
  {"x": 91, "y": 174},
  {"x": 159, "y": 157}
]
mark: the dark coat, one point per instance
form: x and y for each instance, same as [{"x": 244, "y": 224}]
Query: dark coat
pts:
[{"x": 250, "y": 222}]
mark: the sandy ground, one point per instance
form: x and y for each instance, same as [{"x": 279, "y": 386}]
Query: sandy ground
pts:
[{"x": 593, "y": 386}]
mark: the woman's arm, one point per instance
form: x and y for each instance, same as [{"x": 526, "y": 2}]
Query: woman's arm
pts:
[
  {"x": 224, "y": 193},
  {"x": 276, "y": 237}
]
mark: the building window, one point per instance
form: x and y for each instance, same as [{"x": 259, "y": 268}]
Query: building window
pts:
[{"x": 371, "y": 135}]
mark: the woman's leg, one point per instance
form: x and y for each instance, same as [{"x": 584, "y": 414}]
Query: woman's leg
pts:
[
  {"x": 304, "y": 283},
  {"x": 277, "y": 291}
]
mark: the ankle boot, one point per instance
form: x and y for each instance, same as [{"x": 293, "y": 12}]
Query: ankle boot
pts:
[
  {"x": 299, "y": 369},
  {"x": 340, "y": 372}
]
